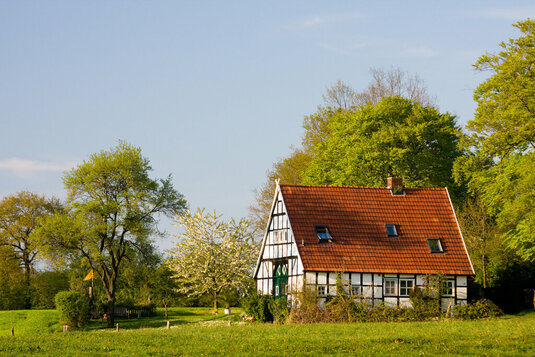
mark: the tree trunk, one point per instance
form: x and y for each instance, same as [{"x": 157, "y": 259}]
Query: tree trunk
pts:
[
  {"x": 215, "y": 302},
  {"x": 165, "y": 304},
  {"x": 484, "y": 270},
  {"x": 110, "y": 317},
  {"x": 27, "y": 275}
]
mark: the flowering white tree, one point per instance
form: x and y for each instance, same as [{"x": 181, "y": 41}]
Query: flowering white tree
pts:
[{"x": 212, "y": 254}]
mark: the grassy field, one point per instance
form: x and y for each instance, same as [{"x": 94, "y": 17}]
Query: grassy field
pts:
[{"x": 196, "y": 332}]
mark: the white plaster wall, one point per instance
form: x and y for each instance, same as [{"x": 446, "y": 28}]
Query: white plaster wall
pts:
[
  {"x": 391, "y": 301},
  {"x": 311, "y": 277},
  {"x": 419, "y": 280},
  {"x": 462, "y": 280},
  {"x": 366, "y": 279},
  {"x": 332, "y": 278},
  {"x": 322, "y": 278},
  {"x": 404, "y": 302},
  {"x": 444, "y": 302},
  {"x": 462, "y": 292}
]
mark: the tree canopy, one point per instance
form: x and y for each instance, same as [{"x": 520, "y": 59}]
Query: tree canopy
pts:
[
  {"x": 212, "y": 254},
  {"x": 500, "y": 155},
  {"x": 394, "y": 137},
  {"x": 111, "y": 211},
  {"x": 338, "y": 99},
  {"x": 20, "y": 216}
]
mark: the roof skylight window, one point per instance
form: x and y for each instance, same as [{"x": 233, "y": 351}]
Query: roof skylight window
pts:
[
  {"x": 391, "y": 230},
  {"x": 323, "y": 233},
  {"x": 435, "y": 246}
]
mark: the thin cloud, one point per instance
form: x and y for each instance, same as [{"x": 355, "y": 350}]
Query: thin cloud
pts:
[
  {"x": 23, "y": 166},
  {"x": 517, "y": 14},
  {"x": 420, "y": 52},
  {"x": 341, "y": 49},
  {"x": 320, "y": 20}
]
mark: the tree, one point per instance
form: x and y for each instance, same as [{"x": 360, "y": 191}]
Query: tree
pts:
[
  {"x": 394, "y": 83},
  {"x": 111, "y": 211},
  {"x": 338, "y": 98},
  {"x": 12, "y": 285},
  {"x": 500, "y": 146},
  {"x": 20, "y": 216},
  {"x": 394, "y": 137},
  {"x": 289, "y": 170},
  {"x": 482, "y": 240},
  {"x": 340, "y": 95},
  {"x": 164, "y": 287},
  {"x": 212, "y": 255}
]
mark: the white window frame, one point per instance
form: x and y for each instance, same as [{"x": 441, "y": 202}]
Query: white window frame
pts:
[
  {"x": 355, "y": 290},
  {"x": 394, "y": 285},
  {"x": 450, "y": 285},
  {"x": 322, "y": 290},
  {"x": 405, "y": 289}
]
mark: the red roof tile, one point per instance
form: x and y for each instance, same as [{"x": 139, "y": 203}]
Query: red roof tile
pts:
[{"x": 356, "y": 218}]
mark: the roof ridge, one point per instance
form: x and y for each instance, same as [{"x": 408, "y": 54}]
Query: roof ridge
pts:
[{"x": 371, "y": 187}]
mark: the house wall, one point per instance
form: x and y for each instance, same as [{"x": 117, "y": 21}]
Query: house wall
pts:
[
  {"x": 372, "y": 287},
  {"x": 278, "y": 246}
]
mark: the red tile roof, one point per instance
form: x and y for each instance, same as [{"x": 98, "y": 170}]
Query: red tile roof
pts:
[{"x": 356, "y": 218}]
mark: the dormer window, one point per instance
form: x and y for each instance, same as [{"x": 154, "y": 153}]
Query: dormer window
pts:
[
  {"x": 323, "y": 233},
  {"x": 391, "y": 230},
  {"x": 435, "y": 246}
]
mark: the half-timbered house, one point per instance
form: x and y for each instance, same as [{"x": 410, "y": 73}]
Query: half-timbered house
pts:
[{"x": 382, "y": 241}]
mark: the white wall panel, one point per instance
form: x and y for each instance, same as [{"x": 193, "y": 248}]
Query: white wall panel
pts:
[
  {"x": 366, "y": 279},
  {"x": 462, "y": 280},
  {"x": 404, "y": 302},
  {"x": 391, "y": 301},
  {"x": 419, "y": 280},
  {"x": 462, "y": 292},
  {"x": 332, "y": 278},
  {"x": 311, "y": 277}
]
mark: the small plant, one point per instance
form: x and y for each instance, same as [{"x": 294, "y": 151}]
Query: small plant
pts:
[
  {"x": 279, "y": 310},
  {"x": 73, "y": 308},
  {"x": 483, "y": 308},
  {"x": 258, "y": 306}
]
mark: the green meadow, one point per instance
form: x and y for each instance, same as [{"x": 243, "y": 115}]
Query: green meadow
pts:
[{"x": 195, "y": 331}]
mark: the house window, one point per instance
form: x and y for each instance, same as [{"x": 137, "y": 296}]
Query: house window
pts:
[
  {"x": 390, "y": 287},
  {"x": 405, "y": 286},
  {"x": 323, "y": 233},
  {"x": 322, "y": 290},
  {"x": 356, "y": 290},
  {"x": 448, "y": 288},
  {"x": 434, "y": 245},
  {"x": 391, "y": 230}
]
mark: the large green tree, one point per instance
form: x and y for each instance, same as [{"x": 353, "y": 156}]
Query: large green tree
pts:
[
  {"x": 111, "y": 210},
  {"x": 317, "y": 126},
  {"x": 394, "y": 137},
  {"x": 212, "y": 254},
  {"x": 20, "y": 216},
  {"x": 12, "y": 286},
  {"x": 500, "y": 145}
]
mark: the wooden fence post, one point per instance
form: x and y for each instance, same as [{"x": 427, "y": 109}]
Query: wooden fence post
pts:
[
  {"x": 168, "y": 324},
  {"x": 117, "y": 328}
]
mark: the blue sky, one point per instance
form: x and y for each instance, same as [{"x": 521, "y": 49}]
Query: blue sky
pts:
[{"x": 214, "y": 92}]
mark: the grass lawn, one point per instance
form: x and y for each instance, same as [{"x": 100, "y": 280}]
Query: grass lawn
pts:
[{"x": 510, "y": 335}]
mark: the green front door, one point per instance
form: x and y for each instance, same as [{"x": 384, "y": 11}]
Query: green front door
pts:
[{"x": 280, "y": 279}]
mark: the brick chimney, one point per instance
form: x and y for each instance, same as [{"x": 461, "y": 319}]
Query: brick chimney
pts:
[{"x": 395, "y": 185}]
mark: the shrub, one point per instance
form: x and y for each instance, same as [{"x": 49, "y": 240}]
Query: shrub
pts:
[
  {"x": 483, "y": 308},
  {"x": 279, "y": 310},
  {"x": 73, "y": 308},
  {"x": 258, "y": 306}
]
